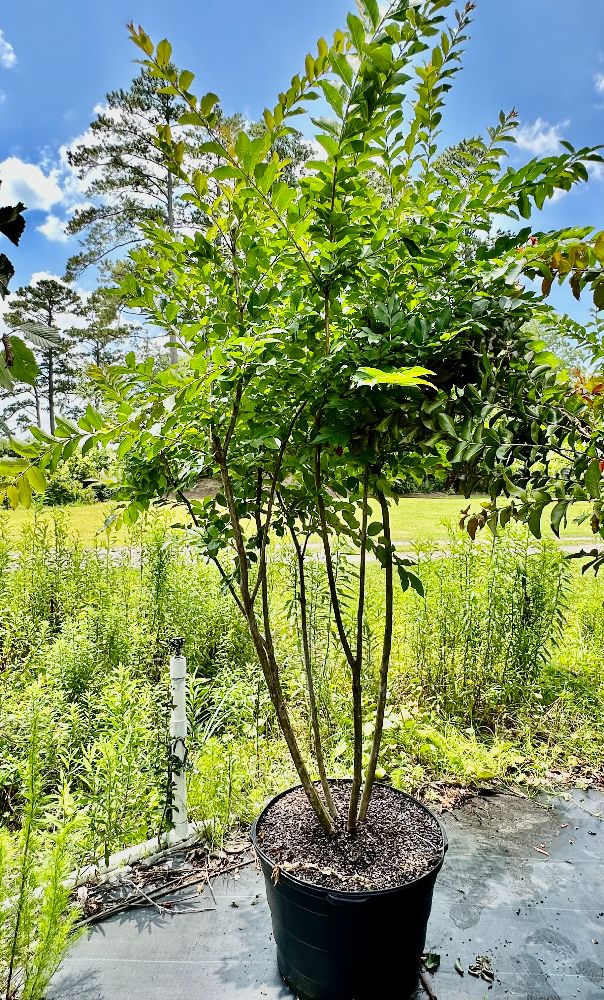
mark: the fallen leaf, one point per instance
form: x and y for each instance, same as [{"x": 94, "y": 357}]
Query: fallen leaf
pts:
[
  {"x": 432, "y": 961},
  {"x": 459, "y": 967}
]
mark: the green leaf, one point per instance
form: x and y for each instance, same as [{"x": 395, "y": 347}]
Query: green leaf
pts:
[
  {"x": 372, "y": 10},
  {"x": 12, "y": 494},
  {"x": 185, "y": 79},
  {"x": 598, "y": 247},
  {"x": 593, "y": 479},
  {"x": 6, "y": 273},
  {"x": 357, "y": 31},
  {"x": 416, "y": 584},
  {"x": 333, "y": 97},
  {"x": 24, "y": 492},
  {"x": 447, "y": 425},
  {"x": 24, "y": 367},
  {"x": 330, "y": 145},
  {"x": 225, "y": 172},
  {"x": 558, "y": 514},
  {"x": 36, "y": 479},
  {"x": 40, "y": 335},
  {"x": 403, "y": 377},
  {"x": 141, "y": 38},
  {"x": 432, "y": 961},
  {"x": 207, "y": 103},
  {"x": 12, "y": 222},
  {"x": 524, "y": 205},
  {"x": 411, "y": 246},
  {"x": 534, "y": 520},
  {"x": 163, "y": 53},
  {"x": 342, "y": 67}
]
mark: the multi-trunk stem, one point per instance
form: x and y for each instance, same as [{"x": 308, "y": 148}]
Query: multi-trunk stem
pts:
[
  {"x": 312, "y": 697},
  {"x": 263, "y": 643},
  {"x": 385, "y": 661},
  {"x": 357, "y": 669}
]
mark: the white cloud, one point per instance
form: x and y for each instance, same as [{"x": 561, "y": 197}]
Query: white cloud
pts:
[
  {"x": 45, "y": 276},
  {"x": 599, "y": 82},
  {"x": 2, "y": 97},
  {"x": 8, "y": 56},
  {"x": 596, "y": 171},
  {"x": 53, "y": 228},
  {"x": 539, "y": 137},
  {"x": 50, "y": 186},
  {"x": 28, "y": 183}
]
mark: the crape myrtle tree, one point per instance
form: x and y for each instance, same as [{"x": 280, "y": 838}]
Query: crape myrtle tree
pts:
[{"x": 339, "y": 335}]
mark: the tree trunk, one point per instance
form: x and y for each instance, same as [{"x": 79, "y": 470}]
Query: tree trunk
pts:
[
  {"x": 356, "y": 668},
  {"x": 51, "y": 391},
  {"x": 312, "y": 697},
  {"x": 385, "y": 664},
  {"x": 38, "y": 407},
  {"x": 263, "y": 644}
]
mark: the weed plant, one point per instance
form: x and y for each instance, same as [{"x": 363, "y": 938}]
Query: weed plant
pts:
[
  {"x": 491, "y": 614},
  {"x": 37, "y": 916},
  {"x": 88, "y": 627}
]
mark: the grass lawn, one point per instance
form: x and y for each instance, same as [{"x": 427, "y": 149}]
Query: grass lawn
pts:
[
  {"x": 425, "y": 518},
  {"x": 84, "y": 520},
  {"x": 413, "y": 519}
]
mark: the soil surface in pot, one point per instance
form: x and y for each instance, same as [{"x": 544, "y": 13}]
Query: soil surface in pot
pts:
[{"x": 397, "y": 844}]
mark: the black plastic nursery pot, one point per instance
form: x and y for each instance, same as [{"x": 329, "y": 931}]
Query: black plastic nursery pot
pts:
[{"x": 336, "y": 945}]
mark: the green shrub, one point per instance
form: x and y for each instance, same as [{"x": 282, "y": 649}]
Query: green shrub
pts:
[{"x": 77, "y": 481}]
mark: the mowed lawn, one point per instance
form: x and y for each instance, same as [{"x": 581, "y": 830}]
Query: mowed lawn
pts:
[{"x": 414, "y": 519}]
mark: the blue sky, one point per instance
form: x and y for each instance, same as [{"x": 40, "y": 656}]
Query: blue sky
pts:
[{"x": 58, "y": 59}]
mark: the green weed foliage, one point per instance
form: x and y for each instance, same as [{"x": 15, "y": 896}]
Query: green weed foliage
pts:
[
  {"x": 37, "y": 917},
  {"x": 88, "y": 629}
]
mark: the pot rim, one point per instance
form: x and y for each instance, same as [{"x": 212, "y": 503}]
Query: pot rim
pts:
[{"x": 343, "y": 895}]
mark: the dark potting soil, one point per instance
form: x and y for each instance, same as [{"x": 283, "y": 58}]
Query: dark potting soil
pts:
[{"x": 397, "y": 844}]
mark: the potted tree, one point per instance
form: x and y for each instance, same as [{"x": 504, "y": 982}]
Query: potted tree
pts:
[{"x": 362, "y": 325}]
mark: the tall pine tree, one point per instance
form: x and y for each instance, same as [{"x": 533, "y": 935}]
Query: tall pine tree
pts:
[
  {"x": 49, "y": 303},
  {"x": 124, "y": 173}
]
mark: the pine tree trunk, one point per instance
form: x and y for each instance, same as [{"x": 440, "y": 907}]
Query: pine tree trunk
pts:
[
  {"x": 38, "y": 407},
  {"x": 51, "y": 392}
]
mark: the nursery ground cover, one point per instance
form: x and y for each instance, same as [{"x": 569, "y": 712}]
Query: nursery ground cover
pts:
[{"x": 535, "y": 914}]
